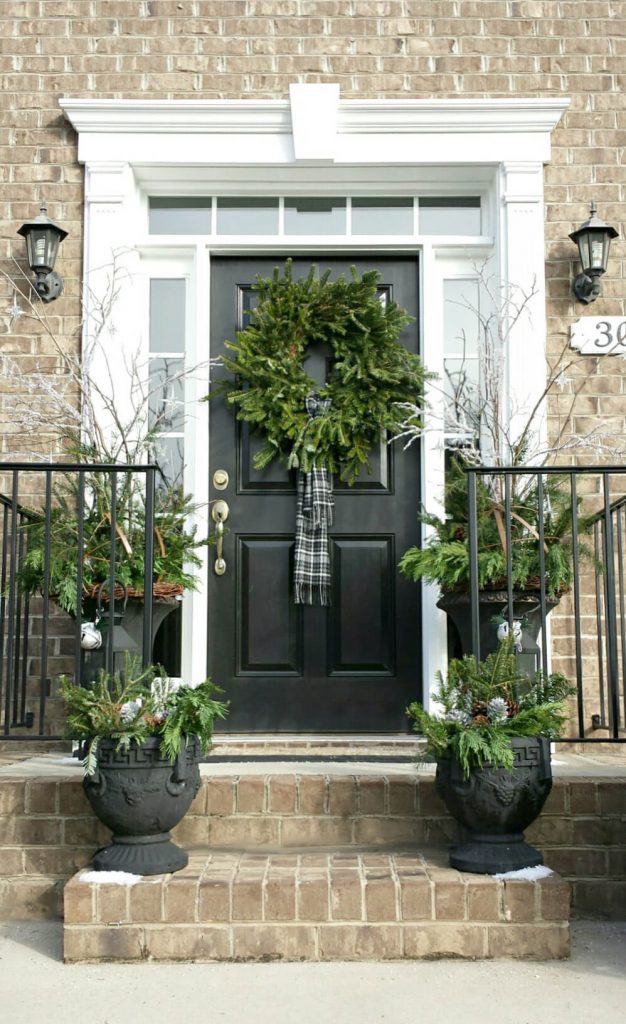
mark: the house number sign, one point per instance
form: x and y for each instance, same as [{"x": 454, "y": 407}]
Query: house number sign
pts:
[{"x": 599, "y": 336}]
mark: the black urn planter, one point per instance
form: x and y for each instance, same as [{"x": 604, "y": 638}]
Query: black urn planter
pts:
[
  {"x": 495, "y": 806},
  {"x": 127, "y": 631},
  {"x": 491, "y": 603},
  {"x": 140, "y": 795}
]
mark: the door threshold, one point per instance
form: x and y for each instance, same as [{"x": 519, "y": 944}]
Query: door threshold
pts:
[
  {"x": 313, "y": 747},
  {"x": 252, "y": 758}
]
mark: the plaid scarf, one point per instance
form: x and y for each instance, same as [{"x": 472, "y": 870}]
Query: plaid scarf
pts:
[{"x": 314, "y": 514}]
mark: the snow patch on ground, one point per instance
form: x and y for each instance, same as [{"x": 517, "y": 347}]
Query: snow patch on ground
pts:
[
  {"x": 111, "y": 877},
  {"x": 528, "y": 874},
  {"x": 69, "y": 760}
]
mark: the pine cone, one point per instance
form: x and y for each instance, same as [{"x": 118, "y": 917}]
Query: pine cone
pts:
[
  {"x": 513, "y": 708},
  {"x": 480, "y": 720},
  {"x": 480, "y": 709}
]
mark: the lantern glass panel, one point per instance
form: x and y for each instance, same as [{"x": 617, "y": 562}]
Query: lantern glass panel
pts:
[
  {"x": 597, "y": 254},
  {"x": 43, "y": 245},
  {"x": 583, "y": 249}
]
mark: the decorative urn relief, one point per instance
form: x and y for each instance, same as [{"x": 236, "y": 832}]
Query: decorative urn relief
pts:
[
  {"x": 495, "y": 805},
  {"x": 140, "y": 795}
]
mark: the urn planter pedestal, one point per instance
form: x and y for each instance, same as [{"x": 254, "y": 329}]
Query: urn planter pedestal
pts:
[
  {"x": 495, "y": 806},
  {"x": 140, "y": 795},
  {"x": 127, "y": 631}
]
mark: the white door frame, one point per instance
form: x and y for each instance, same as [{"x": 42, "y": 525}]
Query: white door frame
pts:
[{"x": 317, "y": 144}]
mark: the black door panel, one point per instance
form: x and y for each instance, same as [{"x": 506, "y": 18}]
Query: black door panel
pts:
[{"x": 354, "y": 666}]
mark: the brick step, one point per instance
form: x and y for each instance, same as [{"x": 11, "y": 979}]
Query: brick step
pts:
[
  {"x": 48, "y": 830},
  {"x": 296, "y": 810},
  {"x": 32, "y": 896},
  {"x": 325, "y": 905}
]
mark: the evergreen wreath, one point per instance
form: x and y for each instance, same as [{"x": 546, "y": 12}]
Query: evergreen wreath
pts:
[{"x": 371, "y": 371}]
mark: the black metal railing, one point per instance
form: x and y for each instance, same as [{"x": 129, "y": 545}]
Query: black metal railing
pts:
[
  {"x": 39, "y": 640},
  {"x": 14, "y": 619},
  {"x": 584, "y": 636},
  {"x": 589, "y": 645}
]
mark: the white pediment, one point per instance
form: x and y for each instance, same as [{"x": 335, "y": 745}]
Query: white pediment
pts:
[{"x": 314, "y": 125}]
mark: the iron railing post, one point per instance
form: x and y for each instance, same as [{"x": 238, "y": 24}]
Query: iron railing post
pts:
[
  {"x": 472, "y": 539},
  {"x": 148, "y": 565},
  {"x": 110, "y": 649},
  {"x": 611, "y": 611},
  {"x": 46, "y": 599},
  {"x": 542, "y": 573},
  {"x": 11, "y": 638},
  {"x": 80, "y": 554},
  {"x": 508, "y": 554},
  {"x": 577, "y": 623}
]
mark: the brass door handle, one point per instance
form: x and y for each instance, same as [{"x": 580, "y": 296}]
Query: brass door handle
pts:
[{"x": 219, "y": 514}]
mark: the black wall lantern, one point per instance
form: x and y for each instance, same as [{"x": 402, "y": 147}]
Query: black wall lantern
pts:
[
  {"x": 593, "y": 239},
  {"x": 43, "y": 237}
]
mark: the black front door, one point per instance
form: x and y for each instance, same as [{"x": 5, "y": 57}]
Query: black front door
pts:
[{"x": 354, "y": 666}]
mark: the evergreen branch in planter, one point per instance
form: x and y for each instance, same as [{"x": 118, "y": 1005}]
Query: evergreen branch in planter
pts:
[
  {"x": 483, "y": 706},
  {"x": 132, "y": 706},
  {"x": 191, "y": 712},
  {"x": 175, "y": 549},
  {"x": 444, "y": 558}
]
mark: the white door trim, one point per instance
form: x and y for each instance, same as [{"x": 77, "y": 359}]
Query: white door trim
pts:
[{"x": 315, "y": 143}]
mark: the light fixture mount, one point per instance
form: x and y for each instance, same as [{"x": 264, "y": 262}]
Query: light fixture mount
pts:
[
  {"x": 43, "y": 238},
  {"x": 593, "y": 239}
]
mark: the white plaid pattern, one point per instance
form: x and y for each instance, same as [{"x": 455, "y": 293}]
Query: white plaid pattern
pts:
[{"x": 314, "y": 514}]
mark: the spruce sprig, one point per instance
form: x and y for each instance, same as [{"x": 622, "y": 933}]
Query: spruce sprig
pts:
[{"x": 192, "y": 712}]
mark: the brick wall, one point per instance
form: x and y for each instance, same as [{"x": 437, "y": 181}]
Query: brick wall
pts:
[
  {"x": 254, "y": 49},
  {"x": 373, "y": 48}
]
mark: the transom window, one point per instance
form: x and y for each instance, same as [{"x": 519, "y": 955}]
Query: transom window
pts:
[{"x": 339, "y": 216}]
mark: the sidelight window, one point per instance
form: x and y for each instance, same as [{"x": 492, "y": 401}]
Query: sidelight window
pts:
[{"x": 166, "y": 375}]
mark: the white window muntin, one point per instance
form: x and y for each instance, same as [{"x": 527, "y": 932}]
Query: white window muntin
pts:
[{"x": 349, "y": 216}]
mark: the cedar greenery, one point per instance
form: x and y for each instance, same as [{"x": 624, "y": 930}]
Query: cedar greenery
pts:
[
  {"x": 444, "y": 558},
  {"x": 175, "y": 543},
  {"x": 484, "y": 705},
  {"x": 131, "y": 706},
  {"x": 371, "y": 371},
  {"x": 487, "y": 425}
]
